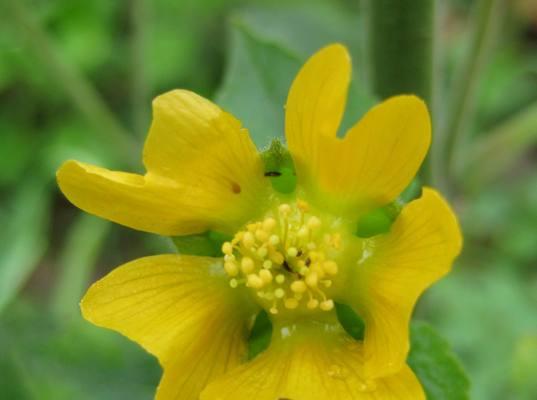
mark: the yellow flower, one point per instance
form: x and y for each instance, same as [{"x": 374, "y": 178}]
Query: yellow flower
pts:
[{"x": 294, "y": 255}]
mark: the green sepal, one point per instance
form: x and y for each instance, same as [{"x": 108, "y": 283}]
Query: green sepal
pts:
[
  {"x": 260, "y": 335},
  {"x": 350, "y": 321},
  {"x": 204, "y": 244},
  {"x": 279, "y": 167},
  {"x": 378, "y": 221}
]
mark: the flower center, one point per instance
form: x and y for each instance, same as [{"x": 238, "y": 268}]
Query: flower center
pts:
[{"x": 287, "y": 259}]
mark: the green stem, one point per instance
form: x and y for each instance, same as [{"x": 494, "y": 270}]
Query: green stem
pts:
[
  {"x": 399, "y": 41},
  {"x": 466, "y": 80},
  {"x": 140, "y": 88},
  {"x": 74, "y": 84}
]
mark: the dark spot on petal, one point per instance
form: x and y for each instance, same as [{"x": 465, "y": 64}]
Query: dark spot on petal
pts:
[
  {"x": 235, "y": 187},
  {"x": 299, "y": 253},
  {"x": 273, "y": 173},
  {"x": 308, "y": 262}
]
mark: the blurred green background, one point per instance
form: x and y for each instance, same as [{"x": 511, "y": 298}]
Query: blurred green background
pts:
[{"x": 76, "y": 81}]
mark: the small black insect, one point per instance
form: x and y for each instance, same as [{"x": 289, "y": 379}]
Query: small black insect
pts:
[
  {"x": 273, "y": 173},
  {"x": 308, "y": 262},
  {"x": 300, "y": 252}
]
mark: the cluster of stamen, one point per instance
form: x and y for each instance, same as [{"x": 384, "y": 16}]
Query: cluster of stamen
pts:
[{"x": 285, "y": 259}]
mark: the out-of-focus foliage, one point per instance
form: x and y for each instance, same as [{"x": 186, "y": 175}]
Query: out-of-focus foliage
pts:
[{"x": 76, "y": 81}]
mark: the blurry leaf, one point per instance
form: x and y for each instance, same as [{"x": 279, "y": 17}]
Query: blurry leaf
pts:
[
  {"x": 255, "y": 88},
  {"x": 435, "y": 364},
  {"x": 305, "y": 28},
  {"x": 505, "y": 145},
  {"x": 84, "y": 241},
  {"x": 524, "y": 368},
  {"x": 16, "y": 150},
  {"x": 24, "y": 237},
  {"x": 72, "y": 361},
  {"x": 267, "y": 49}
]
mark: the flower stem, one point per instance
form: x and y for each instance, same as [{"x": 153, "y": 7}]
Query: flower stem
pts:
[{"x": 399, "y": 42}]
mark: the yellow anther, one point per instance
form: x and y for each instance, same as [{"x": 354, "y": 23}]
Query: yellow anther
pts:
[
  {"x": 254, "y": 281},
  {"x": 269, "y": 224},
  {"x": 248, "y": 239},
  {"x": 274, "y": 240},
  {"x": 336, "y": 241},
  {"x": 262, "y": 252},
  {"x": 312, "y": 279},
  {"x": 317, "y": 268},
  {"x": 265, "y": 275},
  {"x": 327, "y": 305},
  {"x": 298, "y": 287},
  {"x": 313, "y": 304},
  {"x": 292, "y": 251},
  {"x": 227, "y": 248},
  {"x": 303, "y": 232},
  {"x": 313, "y": 222},
  {"x": 291, "y": 303},
  {"x": 330, "y": 267},
  {"x": 302, "y": 205},
  {"x": 247, "y": 265},
  {"x": 277, "y": 258},
  {"x": 286, "y": 259},
  {"x": 261, "y": 235},
  {"x": 327, "y": 283},
  {"x": 232, "y": 269},
  {"x": 284, "y": 209},
  {"x": 269, "y": 296}
]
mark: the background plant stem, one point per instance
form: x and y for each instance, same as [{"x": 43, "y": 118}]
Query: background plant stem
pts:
[
  {"x": 465, "y": 82},
  {"x": 399, "y": 43}
]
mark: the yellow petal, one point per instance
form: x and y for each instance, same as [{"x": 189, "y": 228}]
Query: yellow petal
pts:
[
  {"x": 419, "y": 250},
  {"x": 178, "y": 308},
  {"x": 311, "y": 364},
  {"x": 315, "y": 105},
  {"x": 377, "y": 158},
  {"x": 203, "y": 173}
]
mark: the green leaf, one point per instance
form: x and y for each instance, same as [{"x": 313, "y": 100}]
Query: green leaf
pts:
[
  {"x": 436, "y": 365},
  {"x": 268, "y": 47},
  {"x": 256, "y": 83},
  {"x": 84, "y": 242},
  {"x": 24, "y": 238}
]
